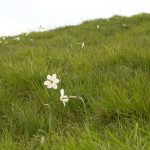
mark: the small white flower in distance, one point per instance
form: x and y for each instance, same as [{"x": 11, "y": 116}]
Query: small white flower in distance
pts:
[
  {"x": 4, "y": 38},
  {"x": 0, "y": 42},
  {"x": 124, "y": 25},
  {"x": 27, "y": 34},
  {"x": 17, "y": 38},
  {"x": 64, "y": 98},
  {"x": 82, "y": 44},
  {"x": 51, "y": 81},
  {"x": 97, "y": 26}
]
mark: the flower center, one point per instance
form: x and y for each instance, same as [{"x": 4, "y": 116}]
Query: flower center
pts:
[{"x": 51, "y": 81}]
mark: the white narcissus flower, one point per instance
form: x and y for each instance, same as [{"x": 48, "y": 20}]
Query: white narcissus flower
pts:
[
  {"x": 82, "y": 44},
  {"x": 64, "y": 98},
  {"x": 51, "y": 81},
  {"x": 27, "y": 34},
  {"x": 17, "y": 38}
]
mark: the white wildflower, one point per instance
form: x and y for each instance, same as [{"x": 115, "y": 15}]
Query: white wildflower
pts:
[
  {"x": 27, "y": 34},
  {"x": 97, "y": 26},
  {"x": 125, "y": 25},
  {"x": 17, "y": 38},
  {"x": 64, "y": 98},
  {"x": 82, "y": 44},
  {"x": 4, "y": 38},
  {"x": 0, "y": 42},
  {"x": 51, "y": 81}
]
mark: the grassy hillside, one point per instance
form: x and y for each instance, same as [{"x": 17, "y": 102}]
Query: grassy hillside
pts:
[{"x": 111, "y": 73}]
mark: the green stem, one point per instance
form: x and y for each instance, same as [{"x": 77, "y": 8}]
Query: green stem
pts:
[{"x": 80, "y": 98}]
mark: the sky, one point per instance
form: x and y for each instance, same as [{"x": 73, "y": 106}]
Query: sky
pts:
[{"x": 17, "y": 16}]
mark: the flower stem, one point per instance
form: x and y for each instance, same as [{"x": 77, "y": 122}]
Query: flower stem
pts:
[{"x": 80, "y": 98}]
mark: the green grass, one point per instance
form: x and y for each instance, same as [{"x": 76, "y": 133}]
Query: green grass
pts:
[{"x": 111, "y": 73}]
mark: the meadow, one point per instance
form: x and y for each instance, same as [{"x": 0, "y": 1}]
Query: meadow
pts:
[{"x": 111, "y": 72}]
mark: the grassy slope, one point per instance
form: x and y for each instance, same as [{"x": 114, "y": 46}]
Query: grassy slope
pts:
[{"x": 111, "y": 73}]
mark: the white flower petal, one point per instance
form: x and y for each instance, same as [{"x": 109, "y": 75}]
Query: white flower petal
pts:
[
  {"x": 62, "y": 92},
  {"x": 64, "y": 104},
  {"x": 65, "y": 98},
  {"x": 50, "y": 86},
  {"x": 46, "y": 83},
  {"x": 53, "y": 76},
  {"x": 49, "y": 77},
  {"x": 54, "y": 86},
  {"x": 56, "y": 80}
]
